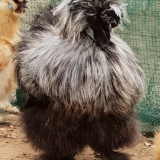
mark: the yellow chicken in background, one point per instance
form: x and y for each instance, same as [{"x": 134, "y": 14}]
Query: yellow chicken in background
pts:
[
  {"x": 157, "y": 143},
  {"x": 10, "y": 13}
]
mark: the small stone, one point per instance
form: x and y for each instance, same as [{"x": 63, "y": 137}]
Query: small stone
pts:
[
  {"x": 2, "y": 129},
  {"x": 147, "y": 144},
  {"x": 1, "y": 119},
  {"x": 153, "y": 146}
]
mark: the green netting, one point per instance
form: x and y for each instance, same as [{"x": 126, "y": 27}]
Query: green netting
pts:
[
  {"x": 143, "y": 35},
  {"x": 34, "y": 7}
]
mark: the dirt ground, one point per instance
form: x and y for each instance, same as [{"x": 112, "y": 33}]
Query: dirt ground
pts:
[{"x": 15, "y": 146}]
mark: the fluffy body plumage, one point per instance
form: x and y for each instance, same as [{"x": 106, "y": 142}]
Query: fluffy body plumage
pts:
[
  {"x": 78, "y": 94},
  {"x": 9, "y": 36}
]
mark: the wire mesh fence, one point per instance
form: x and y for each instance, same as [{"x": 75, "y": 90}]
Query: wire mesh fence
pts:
[
  {"x": 34, "y": 7},
  {"x": 143, "y": 35}
]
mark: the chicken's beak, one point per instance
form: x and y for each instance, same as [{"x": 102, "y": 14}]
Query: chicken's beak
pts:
[{"x": 23, "y": 5}]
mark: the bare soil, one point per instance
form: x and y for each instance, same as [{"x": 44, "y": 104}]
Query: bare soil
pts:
[{"x": 15, "y": 146}]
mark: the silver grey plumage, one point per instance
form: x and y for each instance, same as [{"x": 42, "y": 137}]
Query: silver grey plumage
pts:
[{"x": 66, "y": 73}]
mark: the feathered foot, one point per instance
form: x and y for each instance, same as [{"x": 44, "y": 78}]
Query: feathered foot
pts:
[
  {"x": 6, "y": 106},
  {"x": 48, "y": 157},
  {"x": 157, "y": 143},
  {"x": 115, "y": 156}
]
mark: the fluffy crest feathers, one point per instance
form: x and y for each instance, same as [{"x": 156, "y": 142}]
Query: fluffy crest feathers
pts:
[{"x": 76, "y": 15}]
